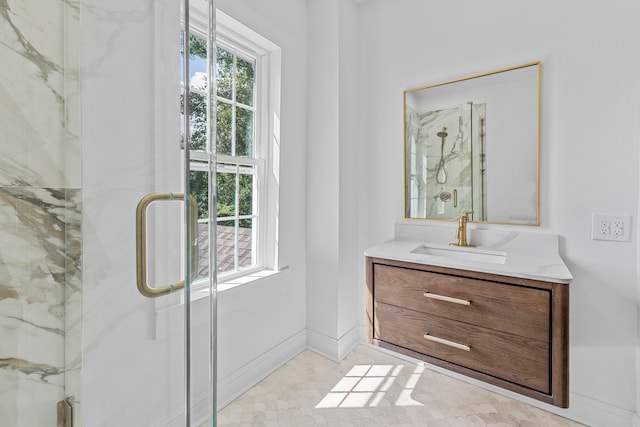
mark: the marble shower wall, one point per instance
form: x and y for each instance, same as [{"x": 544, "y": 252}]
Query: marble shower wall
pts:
[{"x": 40, "y": 210}]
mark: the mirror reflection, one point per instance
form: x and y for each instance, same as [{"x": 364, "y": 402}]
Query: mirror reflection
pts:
[{"x": 472, "y": 144}]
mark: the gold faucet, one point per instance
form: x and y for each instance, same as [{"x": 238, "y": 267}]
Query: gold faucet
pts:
[{"x": 461, "y": 234}]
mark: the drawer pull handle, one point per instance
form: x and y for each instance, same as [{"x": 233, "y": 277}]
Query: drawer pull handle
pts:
[
  {"x": 447, "y": 342},
  {"x": 448, "y": 299}
]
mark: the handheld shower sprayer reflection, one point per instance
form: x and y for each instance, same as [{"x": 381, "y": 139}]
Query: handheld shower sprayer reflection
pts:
[{"x": 441, "y": 173}]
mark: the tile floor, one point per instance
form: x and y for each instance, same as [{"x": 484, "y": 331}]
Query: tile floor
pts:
[{"x": 371, "y": 388}]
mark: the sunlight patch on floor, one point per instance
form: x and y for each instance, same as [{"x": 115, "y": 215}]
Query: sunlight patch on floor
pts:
[{"x": 366, "y": 385}]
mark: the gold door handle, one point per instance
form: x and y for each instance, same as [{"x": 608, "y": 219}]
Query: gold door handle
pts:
[{"x": 141, "y": 243}]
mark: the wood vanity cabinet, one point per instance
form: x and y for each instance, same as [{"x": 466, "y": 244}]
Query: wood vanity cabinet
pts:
[{"x": 506, "y": 331}]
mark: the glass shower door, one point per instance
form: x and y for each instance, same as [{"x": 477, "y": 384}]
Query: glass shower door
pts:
[
  {"x": 149, "y": 317},
  {"x": 445, "y": 162}
]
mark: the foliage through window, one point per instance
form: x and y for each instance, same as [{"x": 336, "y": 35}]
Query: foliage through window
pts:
[{"x": 238, "y": 169}]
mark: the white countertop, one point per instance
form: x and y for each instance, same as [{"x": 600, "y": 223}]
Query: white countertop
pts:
[{"x": 527, "y": 255}]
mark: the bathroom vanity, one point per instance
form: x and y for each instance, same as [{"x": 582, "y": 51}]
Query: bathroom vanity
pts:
[{"x": 498, "y": 312}]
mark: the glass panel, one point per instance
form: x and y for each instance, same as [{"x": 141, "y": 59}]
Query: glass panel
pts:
[
  {"x": 202, "y": 271},
  {"x": 226, "y": 190},
  {"x": 199, "y": 326},
  {"x": 159, "y": 344},
  {"x": 224, "y": 74},
  {"x": 199, "y": 183},
  {"x": 245, "y": 80},
  {"x": 197, "y": 95},
  {"x": 244, "y": 132},
  {"x": 198, "y": 108},
  {"x": 439, "y": 162},
  {"x": 226, "y": 246},
  {"x": 224, "y": 121},
  {"x": 478, "y": 155},
  {"x": 245, "y": 243},
  {"x": 236, "y": 226},
  {"x": 197, "y": 63},
  {"x": 246, "y": 194},
  {"x": 206, "y": 361}
]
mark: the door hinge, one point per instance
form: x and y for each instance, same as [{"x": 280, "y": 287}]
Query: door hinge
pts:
[{"x": 65, "y": 412}]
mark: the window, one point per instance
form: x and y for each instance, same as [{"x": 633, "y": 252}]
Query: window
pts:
[{"x": 246, "y": 193}]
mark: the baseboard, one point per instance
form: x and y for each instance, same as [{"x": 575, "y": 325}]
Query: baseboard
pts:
[
  {"x": 596, "y": 413},
  {"x": 332, "y": 348},
  {"x": 583, "y": 409},
  {"x": 238, "y": 382}
]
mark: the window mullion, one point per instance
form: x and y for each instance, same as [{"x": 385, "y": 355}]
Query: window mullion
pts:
[
  {"x": 236, "y": 251},
  {"x": 233, "y": 105}
]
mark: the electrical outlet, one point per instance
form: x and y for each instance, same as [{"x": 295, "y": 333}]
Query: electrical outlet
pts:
[
  {"x": 611, "y": 227},
  {"x": 617, "y": 227},
  {"x": 604, "y": 226}
]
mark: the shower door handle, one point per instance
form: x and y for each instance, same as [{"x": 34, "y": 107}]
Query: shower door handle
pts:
[{"x": 141, "y": 243}]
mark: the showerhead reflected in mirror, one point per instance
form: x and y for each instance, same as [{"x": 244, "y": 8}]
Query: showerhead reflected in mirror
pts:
[{"x": 472, "y": 144}]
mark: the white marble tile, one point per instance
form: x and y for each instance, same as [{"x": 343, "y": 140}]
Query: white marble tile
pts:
[
  {"x": 40, "y": 262},
  {"x": 40, "y": 217},
  {"x": 40, "y": 144}
]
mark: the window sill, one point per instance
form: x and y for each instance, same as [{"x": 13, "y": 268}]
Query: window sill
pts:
[
  {"x": 200, "y": 290},
  {"x": 233, "y": 282}
]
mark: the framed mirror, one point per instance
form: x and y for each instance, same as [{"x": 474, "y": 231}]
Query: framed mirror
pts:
[{"x": 473, "y": 144}]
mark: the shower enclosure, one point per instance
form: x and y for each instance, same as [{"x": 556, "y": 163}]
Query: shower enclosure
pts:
[
  {"x": 104, "y": 318},
  {"x": 445, "y": 162}
]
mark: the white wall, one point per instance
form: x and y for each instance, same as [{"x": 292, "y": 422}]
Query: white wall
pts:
[
  {"x": 590, "y": 127},
  {"x": 348, "y": 309},
  {"x": 263, "y": 323},
  {"x": 323, "y": 174},
  {"x": 332, "y": 165}
]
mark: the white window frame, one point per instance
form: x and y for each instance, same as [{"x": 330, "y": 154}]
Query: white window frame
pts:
[{"x": 247, "y": 44}]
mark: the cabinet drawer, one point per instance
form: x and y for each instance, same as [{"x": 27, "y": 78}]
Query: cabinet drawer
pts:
[
  {"x": 517, "y": 359},
  {"x": 513, "y": 309}
]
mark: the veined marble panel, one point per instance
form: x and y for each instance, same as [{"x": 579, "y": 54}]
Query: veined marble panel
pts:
[
  {"x": 39, "y": 272},
  {"x": 39, "y": 143},
  {"x": 40, "y": 217}
]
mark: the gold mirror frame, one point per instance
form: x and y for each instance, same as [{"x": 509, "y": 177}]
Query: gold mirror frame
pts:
[{"x": 508, "y": 89}]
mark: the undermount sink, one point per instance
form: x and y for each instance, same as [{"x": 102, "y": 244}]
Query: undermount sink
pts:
[{"x": 466, "y": 253}]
